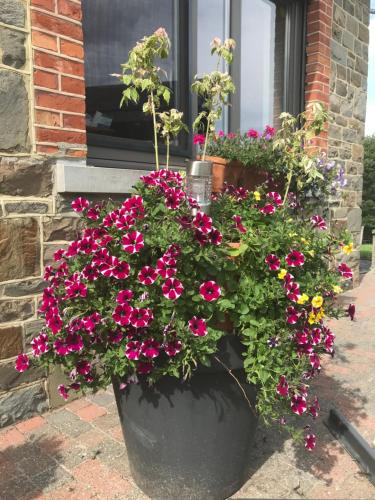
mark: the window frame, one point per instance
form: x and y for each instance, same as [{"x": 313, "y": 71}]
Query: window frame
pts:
[{"x": 106, "y": 151}]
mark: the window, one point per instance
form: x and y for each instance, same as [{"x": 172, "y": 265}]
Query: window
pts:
[{"x": 267, "y": 69}]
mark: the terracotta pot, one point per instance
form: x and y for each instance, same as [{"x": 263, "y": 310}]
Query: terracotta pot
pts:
[
  {"x": 252, "y": 177},
  {"x": 224, "y": 171}
]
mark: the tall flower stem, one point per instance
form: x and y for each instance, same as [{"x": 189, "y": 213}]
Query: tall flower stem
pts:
[
  {"x": 290, "y": 176},
  {"x": 206, "y": 139},
  {"x": 167, "y": 162},
  {"x": 155, "y": 130}
]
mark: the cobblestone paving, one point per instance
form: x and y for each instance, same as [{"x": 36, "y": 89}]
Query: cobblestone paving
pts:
[{"x": 77, "y": 452}]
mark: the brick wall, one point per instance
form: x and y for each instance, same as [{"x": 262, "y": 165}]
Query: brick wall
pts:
[{"x": 58, "y": 72}]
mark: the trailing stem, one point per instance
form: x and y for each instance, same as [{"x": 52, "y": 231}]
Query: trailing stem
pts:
[
  {"x": 206, "y": 139},
  {"x": 167, "y": 162},
  {"x": 155, "y": 131},
  {"x": 290, "y": 176}
]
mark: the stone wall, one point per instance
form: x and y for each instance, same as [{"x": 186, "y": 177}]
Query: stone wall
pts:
[{"x": 348, "y": 96}]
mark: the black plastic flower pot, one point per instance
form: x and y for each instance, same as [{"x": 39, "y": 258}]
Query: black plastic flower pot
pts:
[{"x": 191, "y": 440}]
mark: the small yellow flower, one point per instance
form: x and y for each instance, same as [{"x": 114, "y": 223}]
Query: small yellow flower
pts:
[
  {"x": 320, "y": 315},
  {"x": 291, "y": 235},
  {"x": 312, "y": 318},
  {"x": 304, "y": 241},
  {"x": 337, "y": 289},
  {"x": 257, "y": 195},
  {"x": 317, "y": 301},
  {"x": 311, "y": 252},
  {"x": 282, "y": 274},
  {"x": 347, "y": 249},
  {"x": 302, "y": 299}
]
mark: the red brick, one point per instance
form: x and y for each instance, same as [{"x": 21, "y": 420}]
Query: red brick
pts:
[
  {"x": 44, "y": 4},
  {"x": 72, "y": 85},
  {"x": 53, "y": 135},
  {"x": 47, "y": 118},
  {"x": 59, "y": 101},
  {"x": 71, "y": 49},
  {"x": 45, "y": 79},
  {"x": 91, "y": 412},
  {"x": 50, "y": 150},
  {"x": 31, "y": 424},
  {"x": 77, "y": 153},
  {"x": 44, "y": 41},
  {"x": 56, "y": 25},
  {"x": 50, "y": 61},
  {"x": 69, "y": 9},
  {"x": 74, "y": 121}
]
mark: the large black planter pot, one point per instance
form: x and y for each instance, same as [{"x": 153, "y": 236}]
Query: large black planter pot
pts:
[{"x": 190, "y": 440}]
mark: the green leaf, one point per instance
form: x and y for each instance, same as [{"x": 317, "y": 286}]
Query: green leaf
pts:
[{"x": 166, "y": 95}]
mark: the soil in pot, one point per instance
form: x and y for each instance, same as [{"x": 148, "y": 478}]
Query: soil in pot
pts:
[{"x": 191, "y": 440}]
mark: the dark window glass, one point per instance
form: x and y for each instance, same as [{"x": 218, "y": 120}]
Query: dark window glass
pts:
[{"x": 111, "y": 29}]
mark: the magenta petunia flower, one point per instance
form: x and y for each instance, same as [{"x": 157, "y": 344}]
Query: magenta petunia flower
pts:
[
  {"x": 90, "y": 272},
  {"x": 39, "y": 344},
  {"x": 147, "y": 275},
  {"x": 238, "y": 224},
  {"x": 173, "y": 251},
  {"x": 273, "y": 262},
  {"x": 22, "y": 362},
  {"x": 115, "y": 337},
  {"x": 198, "y": 326},
  {"x": 292, "y": 315},
  {"x": 199, "y": 139},
  {"x": 282, "y": 387},
  {"x": 174, "y": 197},
  {"x": 301, "y": 338},
  {"x": 295, "y": 259},
  {"x": 144, "y": 367},
  {"x": 83, "y": 367},
  {"x": 316, "y": 336},
  {"x": 276, "y": 197},
  {"x": 75, "y": 289},
  {"x": 121, "y": 271},
  {"x": 121, "y": 314},
  {"x": 210, "y": 291},
  {"x": 268, "y": 209},
  {"x": 125, "y": 222},
  {"x": 150, "y": 348},
  {"x": 72, "y": 249},
  {"x": 54, "y": 323},
  {"x": 166, "y": 267},
  {"x": 74, "y": 342},
  {"x": 201, "y": 238},
  {"x": 293, "y": 291},
  {"x": 173, "y": 347},
  {"x": 63, "y": 391},
  {"x": 141, "y": 317},
  {"x": 310, "y": 442},
  {"x": 132, "y": 242},
  {"x": 314, "y": 408},
  {"x": 298, "y": 404},
  {"x": 215, "y": 237},
  {"x": 252, "y": 133},
  {"x": 92, "y": 213},
  {"x": 172, "y": 288},
  {"x": 59, "y": 254},
  {"x": 231, "y": 135},
  {"x": 314, "y": 360},
  {"x": 345, "y": 271},
  {"x": 87, "y": 245},
  {"x": 133, "y": 350},
  {"x": 269, "y": 132},
  {"x": 203, "y": 222},
  {"x": 60, "y": 347},
  {"x": 318, "y": 222},
  {"x": 80, "y": 204}
]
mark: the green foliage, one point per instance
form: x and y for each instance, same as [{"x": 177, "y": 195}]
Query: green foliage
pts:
[{"x": 368, "y": 203}]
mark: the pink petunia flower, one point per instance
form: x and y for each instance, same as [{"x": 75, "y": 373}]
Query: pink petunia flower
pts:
[
  {"x": 201, "y": 238},
  {"x": 80, "y": 204},
  {"x": 74, "y": 342},
  {"x": 173, "y": 198},
  {"x": 318, "y": 222},
  {"x": 203, "y": 222},
  {"x": 173, "y": 251},
  {"x": 273, "y": 262},
  {"x": 210, "y": 291},
  {"x": 298, "y": 404},
  {"x": 198, "y": 326},
  {"x": 124, "y": 296},
  {"x": 59, "y": 254},
  {"x": 147, "y": 275},
  {"x": 292, "y": 315},
  {"x": 87, "y": 245},
  {"x": 282, "y": 387},
  {"x": 173, "y": 347},
  {"x": 268, "y": 209},
  {"x": 63, "y": 391},
  {"x": 133, "y": 350},
  {"x": 92, "y": 213},
  {"x": 310, "y": 442},
  {"x": 252, "y": 133},
  {"x": 166, "y": 267},
  {"x": 60, "y": 347},
  {"x": 90, "y": 272},
  {"x": 172, "y": 288},
  {"x": 121, "y": 271},
  {"x": 121, "y": 314},
  {"x": 144, "y": 367},
  {"x": 22, "y": 363},
  {"x": 293, "y": 291},
  {"x": 39, "y": 344},
  {"x": 215, "y": 237},
  {"x": 238, "y": 223},
  {"x": 54, "y": 323},
  {"x": 150, "y": 348},
  {"x": 314, "y": 360},
  {"x": 276, "y": 197},
  {"x": 141, "y": 317},
  {"x": 295, "y": 259},
  {"x": 132, "y": 242},
  {"x": 345, "y": 271},
  {"x": 314, "y": 408},
  {"x": 125, "y": 222},
  {"x": 199, "y": 139},
  {"x": 83, "y": 367},
  {"x": 115, "y": 337}
]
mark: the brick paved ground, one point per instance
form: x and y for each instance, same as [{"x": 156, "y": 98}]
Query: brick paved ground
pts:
[{"x": 78, "y": 453}]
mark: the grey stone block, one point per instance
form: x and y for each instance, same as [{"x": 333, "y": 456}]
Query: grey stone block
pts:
[
  {"x": 349, "y": 135},
  {"x": 31, "y": 329},
  {"x": 13, "y": 12},
  {"x": 339, "y": 53},
  {"x": 15, "y": 310},
  {"x": 339, "y": 15},
  {"x": 335, "y": 103},
  {"x": 14, "y": 113},
  {"x": 352, "y": 25},
  {"x": 22, "y": 403},
  {"x": 26, "y": 207},
  {"x": 68, "y": 423},
  {"x": 348, "y": 7},
  {"x": 26, "y": 177},
  {"x": 61, "y": 228},
  {"x": 355, "y": 219},
  {"x": 359, "y": 104},
  {"x": 341, "y": 88},
  {"x": 10, "y": 378},
  {"x": 348, "y": 40},
  {"x": 29, "y": 287},
  {"x": 12, "y": 47},
  {"x": 363, "y": 33}
]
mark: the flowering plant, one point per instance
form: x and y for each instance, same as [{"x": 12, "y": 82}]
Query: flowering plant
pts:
[{"x": 145, "y": 289}]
